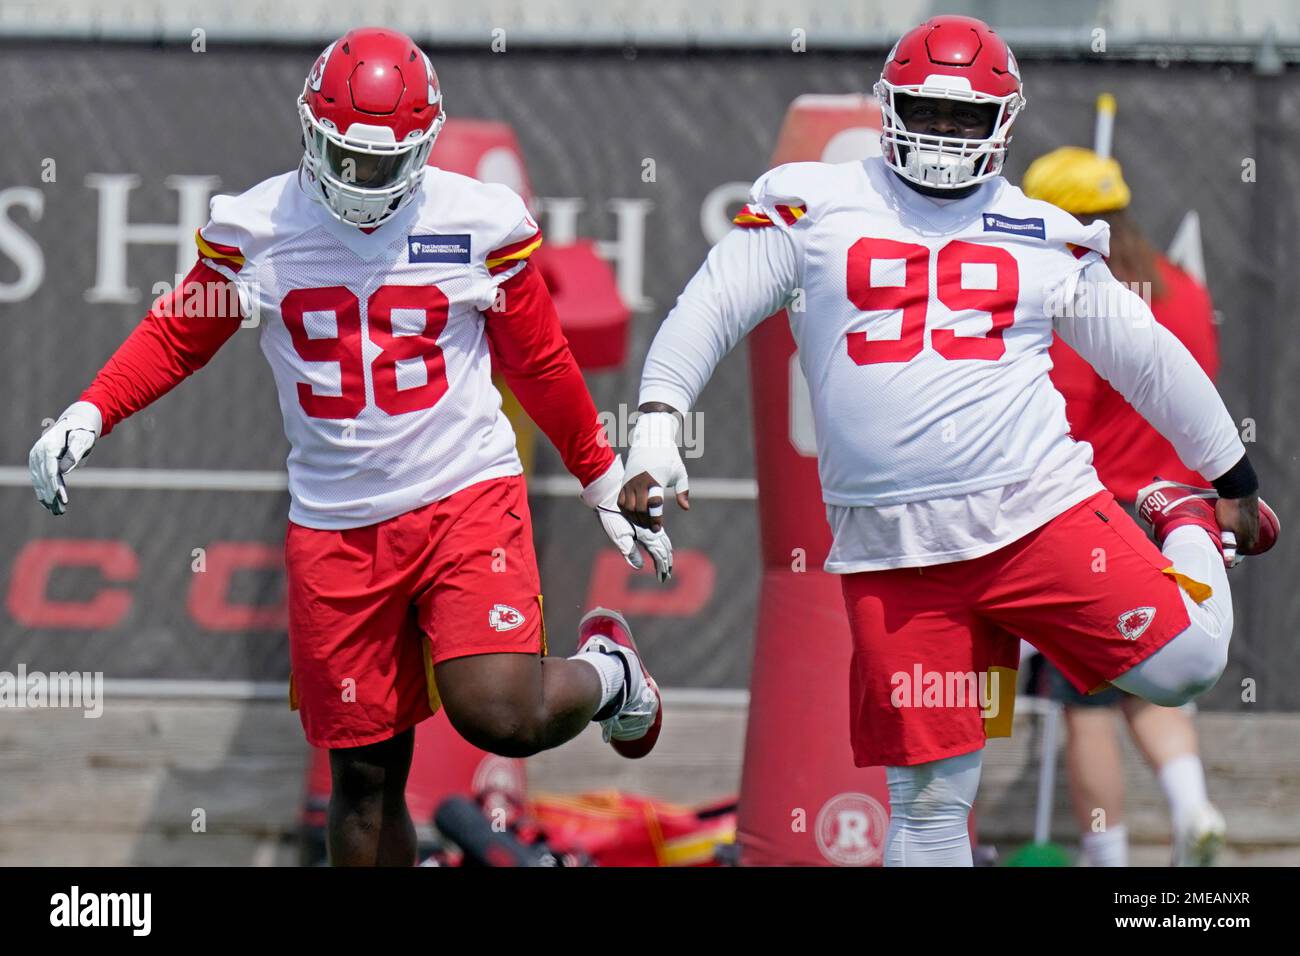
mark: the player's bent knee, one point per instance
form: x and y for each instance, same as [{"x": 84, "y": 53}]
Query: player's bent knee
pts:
[
  {"x": 940, "y": 788},
  {"x": 495, "y": 702},
  {"x": 502, "y": 727},
  {"x": 1186, "y": 667}
]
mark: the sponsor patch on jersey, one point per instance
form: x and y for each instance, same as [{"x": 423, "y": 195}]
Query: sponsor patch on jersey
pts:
[
  {"x": 503, "y": 617},
  {"x": 1132, "y": 623},
  {"x": 1017, "y": 227},
  {"x": 451, "y": 248}
]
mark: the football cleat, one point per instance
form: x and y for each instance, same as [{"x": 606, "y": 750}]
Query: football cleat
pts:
[
  {"x": 1166, "y": 505},
  {"x": 1199, "y": 841},
  {"x": 633, "y": 727}
]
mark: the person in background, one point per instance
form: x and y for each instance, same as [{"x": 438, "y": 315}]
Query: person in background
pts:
[{"x": 1125, "y": 451}]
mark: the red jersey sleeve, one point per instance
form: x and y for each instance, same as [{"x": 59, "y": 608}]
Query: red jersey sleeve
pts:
[
  {"x": 174, "y": 340},
  {"x": 531, "y": 353}
]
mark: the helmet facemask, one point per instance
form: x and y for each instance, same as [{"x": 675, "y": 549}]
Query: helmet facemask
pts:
[
  {"x": 364, "y": 177},
  {"x": 944, "y": 162}
]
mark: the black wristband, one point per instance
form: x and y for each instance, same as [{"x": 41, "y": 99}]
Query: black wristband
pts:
[{"x": 1239, "y": 481}]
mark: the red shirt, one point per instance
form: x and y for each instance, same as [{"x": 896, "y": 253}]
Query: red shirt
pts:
[{"x": 1127, "y": 452}]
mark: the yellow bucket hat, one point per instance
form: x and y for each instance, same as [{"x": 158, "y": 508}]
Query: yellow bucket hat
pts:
[{"x": 1078, "y": 181}]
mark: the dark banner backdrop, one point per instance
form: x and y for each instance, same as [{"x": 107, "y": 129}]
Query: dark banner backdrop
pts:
[{"x": 1218, "y": 140}]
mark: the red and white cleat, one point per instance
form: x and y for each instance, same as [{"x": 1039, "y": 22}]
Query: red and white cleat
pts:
[
  {"x": 634, "y": 727},
  {"x": 1166, "y": 505}
]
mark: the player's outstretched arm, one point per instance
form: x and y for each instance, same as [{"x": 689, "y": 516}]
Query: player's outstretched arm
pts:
[
  {"x": 176, "y": 338},
  {"x": 530, "y": 351},
  {"x": 1116, "y": 333},
  {"x": 748, "y": 276}
]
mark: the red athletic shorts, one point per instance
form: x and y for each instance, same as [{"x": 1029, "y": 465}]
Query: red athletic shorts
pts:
[
  {"x": 935, "y": 649},
  {"x": 372, "y": 609}
]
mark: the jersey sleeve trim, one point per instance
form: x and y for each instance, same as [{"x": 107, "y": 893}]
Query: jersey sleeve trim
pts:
[
  {"x": 506, "y": 257},
  {"x": 217, "y": 254},
  {"x": 751, "y": 217}
]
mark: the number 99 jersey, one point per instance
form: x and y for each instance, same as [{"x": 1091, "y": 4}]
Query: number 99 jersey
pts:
[
  {"x": 923, "y": 327},
  {"x": 377, "y": 339}
]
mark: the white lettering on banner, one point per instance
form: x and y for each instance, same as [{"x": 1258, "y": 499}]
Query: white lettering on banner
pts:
[
  {"x": 627, "y": 251},
  {"x": 21, "y": 248},
  {"x": 116, "y": 232},
  {"x": 561, "y": 214}
]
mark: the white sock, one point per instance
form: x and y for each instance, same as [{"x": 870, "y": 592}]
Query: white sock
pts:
[
  {"x": 1183, "y": 780},
  {"x": 1108, "y": 847},
  {"x": 610, "y": 669}
]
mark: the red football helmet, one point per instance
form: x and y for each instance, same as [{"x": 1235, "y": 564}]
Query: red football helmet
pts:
[
  {"x": 370, "y": 111},
  {"x": 953, "y": 58}
]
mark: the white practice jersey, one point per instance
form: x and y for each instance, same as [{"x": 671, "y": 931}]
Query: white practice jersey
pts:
[
  {"x": 377, "y": 341},
  {"x": 923, "y": 330}
]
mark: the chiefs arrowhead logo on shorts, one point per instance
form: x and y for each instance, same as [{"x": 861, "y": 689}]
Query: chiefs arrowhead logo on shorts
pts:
[
  {"x": 1133, "y": 623},
  {"x": 504, "y": 618}
]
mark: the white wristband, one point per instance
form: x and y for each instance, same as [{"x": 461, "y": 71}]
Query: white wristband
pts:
[
  {"x": 83, "y": 415},
  {"x": 606, "y": 486},
  {"x": 655, "y": 430}
]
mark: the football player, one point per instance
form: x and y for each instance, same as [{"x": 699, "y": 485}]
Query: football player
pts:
[
  {"x": 380, "y": 286},
  {"x": 924, "y": 291}
]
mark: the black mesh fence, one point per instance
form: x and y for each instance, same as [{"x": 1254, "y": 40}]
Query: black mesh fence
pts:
[{"x": 1219, "y": 140}]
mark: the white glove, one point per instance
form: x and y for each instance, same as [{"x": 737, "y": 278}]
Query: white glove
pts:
[
  {"x": 654, "y": 451},
  {"x": 60, "y": 450},
  {"x": 602, "y": 495}
]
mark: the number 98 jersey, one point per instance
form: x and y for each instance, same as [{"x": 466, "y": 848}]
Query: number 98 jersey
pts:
[
  {"x": 377, "y": 340},
  {"x": 923, "y": 327}
]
